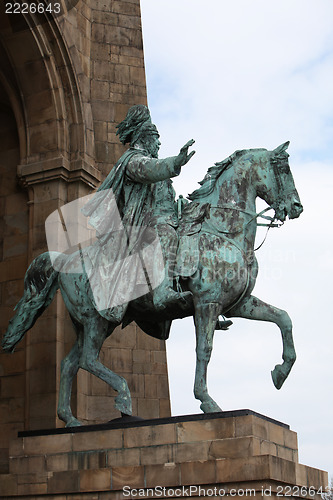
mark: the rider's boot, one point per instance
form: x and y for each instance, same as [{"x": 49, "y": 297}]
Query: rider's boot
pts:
[
  {"x": 165, "y": 295},
  {"x": 223, "y": 325}
]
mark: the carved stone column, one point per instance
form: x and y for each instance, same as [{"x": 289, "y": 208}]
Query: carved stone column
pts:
[{"x": 50, "y": 184}]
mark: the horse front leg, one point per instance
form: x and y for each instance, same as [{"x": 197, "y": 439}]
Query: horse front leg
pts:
[
  {"x": 205, "y": 318},
  {"x": 253, "y": 308}
]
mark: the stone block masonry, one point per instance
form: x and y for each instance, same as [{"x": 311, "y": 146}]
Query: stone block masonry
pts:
[{"x": 234, "y": 454}]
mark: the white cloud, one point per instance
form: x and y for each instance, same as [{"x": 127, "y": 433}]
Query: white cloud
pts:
[{"x": 241, "y": 74}]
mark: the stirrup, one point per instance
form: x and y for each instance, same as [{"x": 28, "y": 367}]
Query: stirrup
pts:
[
  {"x": 173, "y": 298},
  {"x": 182, "y": 295}
]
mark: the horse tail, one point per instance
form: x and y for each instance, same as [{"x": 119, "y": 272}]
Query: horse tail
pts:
[{"x": 40, "y": 286}]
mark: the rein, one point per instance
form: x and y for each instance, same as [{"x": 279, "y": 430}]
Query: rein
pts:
[
  {"x": 254, "y": 216},
  {"x": 269, "y": 226}
]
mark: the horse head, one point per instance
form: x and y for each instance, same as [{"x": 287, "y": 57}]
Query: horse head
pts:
[{"x": 276, "y": 185}]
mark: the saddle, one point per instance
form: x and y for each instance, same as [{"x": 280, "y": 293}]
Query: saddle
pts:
[{"x": 187, "y": 259}]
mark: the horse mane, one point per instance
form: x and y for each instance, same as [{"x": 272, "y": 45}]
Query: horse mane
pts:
[{"x": 213, "y": 173}]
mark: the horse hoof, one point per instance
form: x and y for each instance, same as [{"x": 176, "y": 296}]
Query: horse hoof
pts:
[
  {"x": 74, "y": 422},
  {"x": 210, "y": 407},
  {"x": 278, "y": 377},
  {"x": 124, "y": 404}
]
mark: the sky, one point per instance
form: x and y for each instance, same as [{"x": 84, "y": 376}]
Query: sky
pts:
[{"x": 237, "y": 75}]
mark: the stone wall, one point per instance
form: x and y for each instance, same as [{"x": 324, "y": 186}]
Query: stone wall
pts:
[
  {"x": 64, "y": 85},
  {"x": 14, "y": 226}
]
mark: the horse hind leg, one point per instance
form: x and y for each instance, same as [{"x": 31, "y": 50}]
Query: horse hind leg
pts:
[
  {"x": 253, "y": 308},
  {"x": 95, "y": 333},
  {"x": 69, "y": 368}
]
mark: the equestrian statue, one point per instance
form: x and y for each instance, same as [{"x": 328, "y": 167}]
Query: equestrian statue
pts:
[{"x": 191, "y": 257}]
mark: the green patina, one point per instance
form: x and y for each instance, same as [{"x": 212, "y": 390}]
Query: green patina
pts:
[{"x": 213, "y": 273}]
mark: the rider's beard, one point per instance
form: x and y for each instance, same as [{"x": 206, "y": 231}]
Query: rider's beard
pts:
[{"x": 153, "y": 150}]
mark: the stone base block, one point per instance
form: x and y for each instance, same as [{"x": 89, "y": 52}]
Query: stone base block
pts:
[{"x": 237, "y": 454}]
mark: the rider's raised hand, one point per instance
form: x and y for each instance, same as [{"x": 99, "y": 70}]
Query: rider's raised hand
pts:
[{"x": 184, "y": 156}]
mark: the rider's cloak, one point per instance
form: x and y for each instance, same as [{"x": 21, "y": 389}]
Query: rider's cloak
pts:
[{"x": 121, "y": 211}]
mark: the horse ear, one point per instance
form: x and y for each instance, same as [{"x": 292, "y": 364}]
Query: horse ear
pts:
[{"x": 282, "y": 148}]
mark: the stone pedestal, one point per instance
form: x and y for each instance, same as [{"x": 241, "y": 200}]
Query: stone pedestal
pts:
[{"x": 237, "y": 454}]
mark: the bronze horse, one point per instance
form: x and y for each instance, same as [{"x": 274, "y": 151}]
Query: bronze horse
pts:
[{"x": 223, "y": 214}]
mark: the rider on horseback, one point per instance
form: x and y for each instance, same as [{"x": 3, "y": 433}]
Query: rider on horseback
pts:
[{"x": 142, "y": 187}]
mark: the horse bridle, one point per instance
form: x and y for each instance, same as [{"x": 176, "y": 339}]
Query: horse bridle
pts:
[
  {"x": 281, "y": 193},
  {"x": 261, "y": 215},
  {"x": 278, "y": 180}
]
